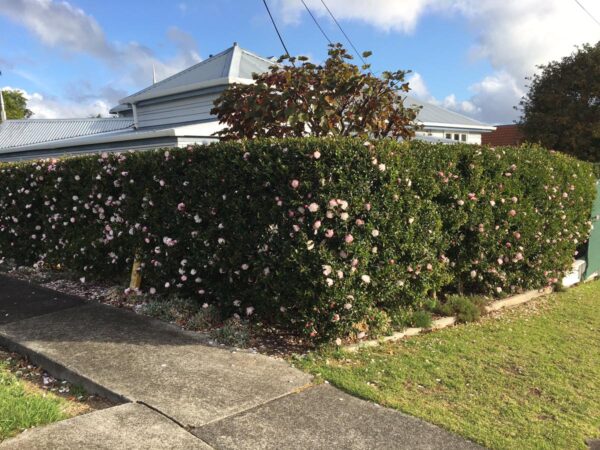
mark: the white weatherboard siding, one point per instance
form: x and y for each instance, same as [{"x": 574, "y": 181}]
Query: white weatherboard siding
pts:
[
  {"x": 472, "y": 137},
  {"x": 190, "y": 109}
]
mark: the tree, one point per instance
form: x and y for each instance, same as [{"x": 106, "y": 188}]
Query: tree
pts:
[
  {"x": 334, "y": 99},
  {"x": 16, "y": 105},
  {"x": 562, "y": 108}
]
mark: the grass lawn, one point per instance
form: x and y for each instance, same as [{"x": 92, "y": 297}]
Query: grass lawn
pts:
[
  {"x": 528, "y": 378},
  {"x": 24, "y": 404}
]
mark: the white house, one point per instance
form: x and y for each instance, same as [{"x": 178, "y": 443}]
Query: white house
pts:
[{"x": 176, "y": 112}]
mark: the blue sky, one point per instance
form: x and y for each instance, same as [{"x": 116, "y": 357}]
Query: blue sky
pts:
[{"x": 79, "y": 57}]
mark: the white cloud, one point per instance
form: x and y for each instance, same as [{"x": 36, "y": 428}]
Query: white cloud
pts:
[
  {"x": 59, "y": 25},
  {"x": 418, "y": 87},
  {"x": 389, "y": 15},
  {"x": 492, "y": 99},
  {"x": 44, "y": 107},
  {"x": 515, "y": 36}
]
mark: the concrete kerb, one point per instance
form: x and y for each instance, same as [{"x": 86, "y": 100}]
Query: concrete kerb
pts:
[
  {"x": 449, "y": 321},
  {"x": 62, "y": 372}
]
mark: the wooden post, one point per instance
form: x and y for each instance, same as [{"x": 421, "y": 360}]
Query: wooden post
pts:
[{"x": 136, "y": 276}]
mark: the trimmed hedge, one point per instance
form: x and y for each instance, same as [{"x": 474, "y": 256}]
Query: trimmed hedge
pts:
[{"x": 328, "y": 236}]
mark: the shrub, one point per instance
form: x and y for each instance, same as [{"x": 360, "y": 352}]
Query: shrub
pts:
[
  {"x": 421, "y": 319},
  {"x": 233, "y": 333},
  {"x": 466, "y": 309},
  {"x": 311, "y": 234},
  {"x": 204, "y": 319}
]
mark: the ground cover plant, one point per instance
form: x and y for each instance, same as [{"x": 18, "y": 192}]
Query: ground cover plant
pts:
[
  {"x": 331, "y": 237},
  {"x": 528, "y": 378}
]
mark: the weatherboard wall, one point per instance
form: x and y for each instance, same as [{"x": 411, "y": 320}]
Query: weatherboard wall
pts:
[{"x": 176, "y": 111}]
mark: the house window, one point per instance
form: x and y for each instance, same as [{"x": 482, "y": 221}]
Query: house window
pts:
[
  {"x": 463, "y": 137},
  {"x": 456, "y": 136},
  {"x": 448, "y": 136}
]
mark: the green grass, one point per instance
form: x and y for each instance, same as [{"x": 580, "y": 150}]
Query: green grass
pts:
[
  {"x": 23, "y": 405},
  {"x": 529, "y": 379}
]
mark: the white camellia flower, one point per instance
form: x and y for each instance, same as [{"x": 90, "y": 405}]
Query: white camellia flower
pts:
[
  {"x": 375, "y": 233},
  {"x": 366, "y": 279},
  {"x": 310, "y": 245},
  {"x": 313, "y": 207}
]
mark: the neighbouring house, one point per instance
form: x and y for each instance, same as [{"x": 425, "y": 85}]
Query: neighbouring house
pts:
[
  {"x": 504, "y": 135},
  {"x": 175, "y": 112}
]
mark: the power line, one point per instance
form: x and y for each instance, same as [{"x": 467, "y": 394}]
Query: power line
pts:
[
  {"x": 276, "y": 29},
  {"x": 587, "y": 12},
  {"x": 316, "y": 22},
  {"x": 344, "y": 33}
]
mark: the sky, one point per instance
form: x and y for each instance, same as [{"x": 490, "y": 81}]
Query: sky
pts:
[{"x": 77, "y": 58}]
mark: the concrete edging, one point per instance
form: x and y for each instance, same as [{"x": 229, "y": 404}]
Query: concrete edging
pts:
[{"x": 445, "y": 322}]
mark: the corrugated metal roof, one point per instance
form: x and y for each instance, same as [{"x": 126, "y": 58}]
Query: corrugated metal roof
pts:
[
  {"x": 431, "y": 114},
  {"x": 235, "y": 62},
  {"x": 21, "y": 133}
]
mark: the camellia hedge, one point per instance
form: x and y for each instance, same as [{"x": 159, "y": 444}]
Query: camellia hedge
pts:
[{"x": 328, "y": 236}]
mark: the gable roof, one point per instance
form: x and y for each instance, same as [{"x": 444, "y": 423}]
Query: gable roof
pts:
[
  {"x": 433, "y": 115},
  {"x": 232, "y": 65},
  {"x": 22, "y": 133}
]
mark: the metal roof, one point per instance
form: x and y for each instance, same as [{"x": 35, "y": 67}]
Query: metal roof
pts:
[
  {"x": 23, "y": 133},
  {"x": 235, "y": 63},
  {"x": 431, "y": 114}
]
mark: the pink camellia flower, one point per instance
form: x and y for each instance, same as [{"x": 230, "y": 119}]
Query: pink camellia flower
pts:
[
  {"x": 512, "y": 213},
  {"x": 317, "y": 224},
  {"x": 368, "y": 206},
  {"x": 360, "y": 222},
  {"x": 519, "y": 256},
  {"x": 517, "y": 235},
  {"x": 317, "y": 154},
  {"x": 349, "y": 238},
  {"x": 329, "y": 233},
  {"x": 249, "y": 310},
  {"x": 181, "y": 206},
  {"x": 313, "y": 207},
  {"x": 295, "y": 184},
  {"x": 336, "y": 318}
]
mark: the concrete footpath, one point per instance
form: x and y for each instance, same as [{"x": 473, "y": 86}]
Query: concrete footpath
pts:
[{"x": 175, "y": 392}]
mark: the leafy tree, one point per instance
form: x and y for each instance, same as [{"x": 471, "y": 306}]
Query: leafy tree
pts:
[
  {"x": 16, "y": 105},
  {"x": 297, "y": 97},
  {"x": 562, "y": 109}
]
